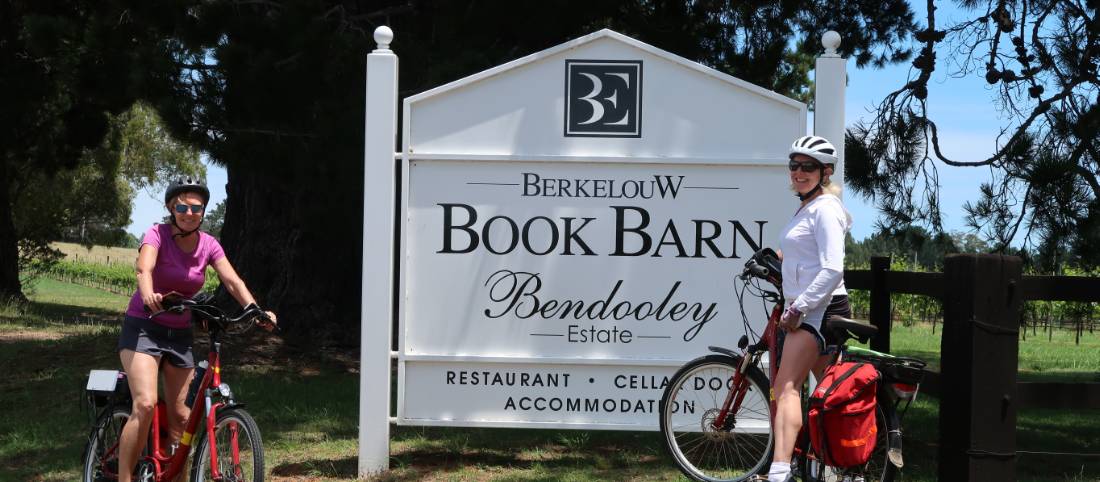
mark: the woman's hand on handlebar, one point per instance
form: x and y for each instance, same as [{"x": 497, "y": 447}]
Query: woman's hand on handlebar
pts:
[
  {"x": 268, "y": 321},
  {"x": 152, "y": 302}
]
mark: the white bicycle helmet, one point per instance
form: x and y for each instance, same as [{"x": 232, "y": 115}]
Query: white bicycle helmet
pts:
[{"x": 815, "y": 147}]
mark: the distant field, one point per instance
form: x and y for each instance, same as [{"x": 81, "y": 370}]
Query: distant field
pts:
[{"x": 97, "y": 254}]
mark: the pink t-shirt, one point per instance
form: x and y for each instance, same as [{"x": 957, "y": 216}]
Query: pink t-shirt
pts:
[{"x": 176, "y": 271}]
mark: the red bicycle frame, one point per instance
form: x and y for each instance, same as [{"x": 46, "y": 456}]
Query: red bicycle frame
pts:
[
  {"x": 169, "y": 465},
  {"x": 739, "y": 384}
]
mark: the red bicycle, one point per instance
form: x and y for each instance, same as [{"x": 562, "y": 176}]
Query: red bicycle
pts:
[
  {"x": 717, "y": 412},
  {"x": 228, "y": 447}
]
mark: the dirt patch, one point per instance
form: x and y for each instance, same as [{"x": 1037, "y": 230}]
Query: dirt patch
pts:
[{"x": 30, "y": 335}]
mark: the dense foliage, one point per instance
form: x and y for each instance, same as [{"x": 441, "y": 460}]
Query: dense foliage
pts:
[{"x": 274, "y": 91}]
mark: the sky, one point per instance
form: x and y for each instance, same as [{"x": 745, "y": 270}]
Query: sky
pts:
[
  {"x": 968, "y": 124},
  {"x": 962, "y": 108}
]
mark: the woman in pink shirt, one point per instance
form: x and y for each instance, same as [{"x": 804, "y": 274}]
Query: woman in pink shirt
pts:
[{"x": 172, "y": 258}]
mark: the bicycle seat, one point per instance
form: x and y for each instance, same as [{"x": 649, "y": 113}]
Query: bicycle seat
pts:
[{"x": 847, "y": 328}]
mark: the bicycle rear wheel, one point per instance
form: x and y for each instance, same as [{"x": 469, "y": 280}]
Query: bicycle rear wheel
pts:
[
  {"x": 100, "y": 462},
  {"x": 878, "y": 467},
  {"x": 239, "y": 450},
  {"x": 689, "y": 406}
]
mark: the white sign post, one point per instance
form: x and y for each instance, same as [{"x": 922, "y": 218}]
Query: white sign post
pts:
[
  {"x": 571, "y": 223},
  {"x": 377, "y": 295},
  {"x": 830, "y": 77}
]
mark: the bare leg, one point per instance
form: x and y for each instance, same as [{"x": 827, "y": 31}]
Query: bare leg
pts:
[
  {"x": 176, "y": 381},
  {"x": 800, "y": 353},
  {"x": 141, "y": 374},
  {"x": 822, "y": 363}
]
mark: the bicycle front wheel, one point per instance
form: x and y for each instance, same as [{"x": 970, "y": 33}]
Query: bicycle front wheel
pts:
[
  {"x": 237, "y": 448},
  {"x": 101, "y": 451},
  {"x": 691, "y": 403}
]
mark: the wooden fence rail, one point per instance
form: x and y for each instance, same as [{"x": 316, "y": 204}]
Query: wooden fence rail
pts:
[{"x": 982, "y": 298}]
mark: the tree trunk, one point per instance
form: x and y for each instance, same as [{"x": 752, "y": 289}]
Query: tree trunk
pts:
[
  {"x": 9, "y": 248},
  {"x": 299, "y": 252}
]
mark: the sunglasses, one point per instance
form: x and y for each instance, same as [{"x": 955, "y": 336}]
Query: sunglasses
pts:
[
  {"x": 806, "y": 166},
  {"x": 195, "y": 208}
]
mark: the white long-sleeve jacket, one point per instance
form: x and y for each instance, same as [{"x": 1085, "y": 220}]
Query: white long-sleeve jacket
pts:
[{"x": 813, "y": 256}]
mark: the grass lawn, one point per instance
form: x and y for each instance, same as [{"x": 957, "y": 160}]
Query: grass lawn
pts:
[
  {"x": 307, "y": 408},
  {"x": 1059, "y": 359}
]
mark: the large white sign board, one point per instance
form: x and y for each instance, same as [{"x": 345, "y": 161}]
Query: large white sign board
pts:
[{"x": 571, "y": 224}]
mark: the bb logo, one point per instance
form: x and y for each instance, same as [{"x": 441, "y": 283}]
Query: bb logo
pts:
[{"x": 603, "y": 98}]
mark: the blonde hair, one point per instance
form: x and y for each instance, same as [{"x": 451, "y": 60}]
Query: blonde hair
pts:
[{"x": 830, "y": 187}]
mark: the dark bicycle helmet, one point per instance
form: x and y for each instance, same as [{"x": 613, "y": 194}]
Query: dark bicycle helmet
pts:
[
  {"x": 186, "y": 184},
  {"x": 180, "y": 186}
]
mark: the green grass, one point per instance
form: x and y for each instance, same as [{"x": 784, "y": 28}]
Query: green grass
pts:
[
  {"x": 1059, "y": 359},
  {"x": 307, "y": 410},
  {"x": 58, "y": 299}
]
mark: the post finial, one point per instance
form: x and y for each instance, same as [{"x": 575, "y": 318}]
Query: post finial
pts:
[
  {"x": 831, "y": 41},
  {"x": 383, "y": 36}
]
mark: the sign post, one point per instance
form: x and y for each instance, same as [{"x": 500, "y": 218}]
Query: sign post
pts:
[
  {"x": 571, "y": 223},
  {"x": 830, "y": 79},
  {"x": 378, "y": 224}
]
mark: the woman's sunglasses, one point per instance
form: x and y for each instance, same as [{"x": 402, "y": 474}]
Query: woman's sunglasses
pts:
[
  {"x": 806, "y": 166},
  {"x": 195, "y": 208}
]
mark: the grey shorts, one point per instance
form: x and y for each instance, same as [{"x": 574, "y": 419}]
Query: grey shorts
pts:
[{"x": 149, "y": 337}]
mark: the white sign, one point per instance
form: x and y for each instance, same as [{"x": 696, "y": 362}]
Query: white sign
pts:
[{"x": 572, "y": 222}]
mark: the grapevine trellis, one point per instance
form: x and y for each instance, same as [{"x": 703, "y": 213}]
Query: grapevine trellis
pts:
[
  {"x": 116, "y": 278},
  {"x": 1037, "y": 316}
]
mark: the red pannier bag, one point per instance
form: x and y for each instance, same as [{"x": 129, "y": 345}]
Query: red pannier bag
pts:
[{"x": 842, "y": 414}]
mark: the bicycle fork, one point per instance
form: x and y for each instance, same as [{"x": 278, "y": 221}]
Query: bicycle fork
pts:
[{"x": 735, "y": 396}]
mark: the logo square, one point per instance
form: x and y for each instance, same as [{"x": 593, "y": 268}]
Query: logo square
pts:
[{"x": 603, "y": 98}]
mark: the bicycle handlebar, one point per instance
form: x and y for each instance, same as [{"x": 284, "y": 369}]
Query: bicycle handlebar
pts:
[
  {"x": 202, "y": 305},
  {"x": 763, "y": 264},
  {"x": 754, "y": 269}
]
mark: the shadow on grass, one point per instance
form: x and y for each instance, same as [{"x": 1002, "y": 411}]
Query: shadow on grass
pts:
[
  {"x": 425, "y": 452},
  {"x": 1060, "y": 444},
  {"x": 46, "y": 315},
  {"x": 45, "y": 423},
  {"x": 346, "y": 467}
]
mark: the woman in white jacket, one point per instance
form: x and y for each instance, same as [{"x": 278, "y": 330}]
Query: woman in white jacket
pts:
[{"x": 812, "y": 249}]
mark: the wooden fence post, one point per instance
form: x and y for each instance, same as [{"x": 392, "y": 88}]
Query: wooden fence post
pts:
[
  {"x": 978, "y": 358},
  {"x": 880, "y": 303}
]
